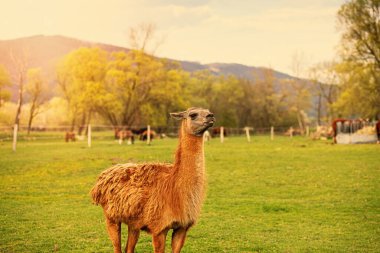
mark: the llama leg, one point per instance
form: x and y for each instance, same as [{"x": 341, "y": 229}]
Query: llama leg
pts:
[
  {"x": 178, "y": 239},
  {"x": 114, "y": 231},
  {"x": 133, "y": 236},
  {"x": 159, "y": 242}
]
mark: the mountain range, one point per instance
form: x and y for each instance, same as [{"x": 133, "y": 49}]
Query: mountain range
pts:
[{"x": 45, "y": 51}]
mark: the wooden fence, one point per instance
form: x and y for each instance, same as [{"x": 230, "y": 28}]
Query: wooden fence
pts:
[{"x": 97, "y": 132}]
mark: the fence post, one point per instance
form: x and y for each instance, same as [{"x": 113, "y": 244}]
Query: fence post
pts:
[
  {"x": 15, "y": 130},
  {"x": 307, "y": 131},
  {"x": 148, "y": 135},
  {"x": 89, "y": 136},
  {"x": 272, "y": 133},
  {"x": 247, "y": 133},
  {"x": 221, "y": 134},
  {"x": 291, "y": 132},
  {"x": 206, "y": 136}
]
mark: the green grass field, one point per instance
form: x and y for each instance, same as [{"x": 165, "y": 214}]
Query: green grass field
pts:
[{"x": 286, "y": 195}]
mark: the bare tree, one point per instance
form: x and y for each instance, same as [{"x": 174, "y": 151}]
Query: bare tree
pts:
[
  {"x": 144, "y": 38},
  {"x": 301, "y": 99},
  {"x": 20, "y": 65},
  {"x": 35, "y": 90},
  {"x": 325, "y": 81}
]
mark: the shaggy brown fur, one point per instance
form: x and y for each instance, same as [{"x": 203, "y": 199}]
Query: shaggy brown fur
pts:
[{"x": 156, "y": 197}]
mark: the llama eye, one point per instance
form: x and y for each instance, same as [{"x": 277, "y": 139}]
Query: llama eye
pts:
[{"x": 193, "y": 116}]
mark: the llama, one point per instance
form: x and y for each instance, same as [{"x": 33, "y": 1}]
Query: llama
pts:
[{"x": 157, "y": 197}]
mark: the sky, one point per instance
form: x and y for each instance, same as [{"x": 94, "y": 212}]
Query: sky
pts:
[{"x": 261, "y": 33}]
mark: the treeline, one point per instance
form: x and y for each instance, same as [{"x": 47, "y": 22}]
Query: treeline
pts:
[{"x": 134, "y": 88}]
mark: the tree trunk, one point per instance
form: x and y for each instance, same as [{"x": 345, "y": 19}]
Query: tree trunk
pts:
[
  {"x": 319, "y": 109},
  {"x": 300, "y": 121},
  {"x": 82, "y": 124},
  {"x": 20, "y": 100},
  {"x": 31, "y": 116},
  {"x": 72, "y": 125},
  {"x": 20, "y": 64},
  {"x": 88, "y": 121}
]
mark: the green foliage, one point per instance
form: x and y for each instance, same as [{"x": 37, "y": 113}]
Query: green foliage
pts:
[
  {"x": 36, "y": 90},
  {"x": 266, "y": 106},
  {"x": 81, "y": 77},
  {"x": 4, "y": 82},
  {"x": 139, "y": 86},
  {"x": 361, "y": 24},
  {"x": 133, "y": 88},
  {"x": 222, "y": 95},
  {"x": 265, "y": 102},
  {"x": 286, "y": 195},
  {"x": 360, "y": 94},
  {"x": 7, "y": 112},
  {"x": 360, "y": 69}
]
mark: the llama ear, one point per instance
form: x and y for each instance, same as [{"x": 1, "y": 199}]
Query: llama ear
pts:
[{"x": 177, "y": 115}]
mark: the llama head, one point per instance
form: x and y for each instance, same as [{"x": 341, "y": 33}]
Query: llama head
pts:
[{"x": 196, "y": 120}]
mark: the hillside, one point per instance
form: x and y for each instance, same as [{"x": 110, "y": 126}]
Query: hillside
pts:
[
  {"x": 239, "y": 70},
  {"x": 45, "y": 51}
]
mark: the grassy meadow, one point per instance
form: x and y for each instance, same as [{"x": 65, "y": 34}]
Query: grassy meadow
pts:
[{"x": 286, "y": 195}]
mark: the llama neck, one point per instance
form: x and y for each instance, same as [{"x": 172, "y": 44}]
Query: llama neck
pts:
[
  {"x": 189, "y": 158},
  {"x": 188, "y": 178}
]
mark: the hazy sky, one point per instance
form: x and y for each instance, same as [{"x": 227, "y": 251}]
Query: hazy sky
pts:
[{"x": 253, "y": 32}]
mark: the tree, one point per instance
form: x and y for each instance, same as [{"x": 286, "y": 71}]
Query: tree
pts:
[
  {"x": 246, "y": 109},
  {"x": 139, "y": 86},
  {"x": 168, "y": 95},
  {"x": 200, "y": 88},
  {"x": 359, "y": 71},
  {"x": 81, "y": 77},
  {"x": 221, "y": 94},
  {"x": 225, "y": 99},
  {"x": 35, "y": 89},
  {"x": 265, "y": 101},
  {"x": 359, "y": 96},
  {"x": 135, "y": 82},
  {"x": 325, "y": 80},
  {"x": 4, "y": 82},
  {"x": 268, "y": 103},
  {"x": 20, "y": 64},
  {"x": 300, "y": 97},
  {"x": 143, "y": 38},
  {"x": 361, "y": 26}
]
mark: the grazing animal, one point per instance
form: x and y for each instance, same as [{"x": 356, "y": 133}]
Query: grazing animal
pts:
[
  {"x": 378, "y": 131},
  {"x": 144, "y": 135},
  {"x": 157, "y": 197},
  {"x": 70, "y": 136},
  {"x": 125, "y": 134}
]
